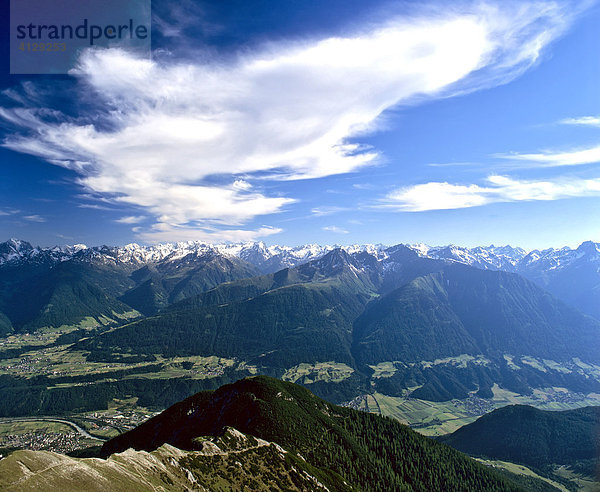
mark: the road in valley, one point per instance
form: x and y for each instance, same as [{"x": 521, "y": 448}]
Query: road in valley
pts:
[{"x": 81, "y": 431}]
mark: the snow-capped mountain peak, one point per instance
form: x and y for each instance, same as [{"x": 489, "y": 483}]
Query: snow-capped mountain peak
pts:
[{"x": 276, "y": 257}]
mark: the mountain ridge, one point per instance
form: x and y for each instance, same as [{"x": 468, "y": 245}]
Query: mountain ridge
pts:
[
  {"x": 258, "y": 252},
  {"x": 368, "y": 451}
]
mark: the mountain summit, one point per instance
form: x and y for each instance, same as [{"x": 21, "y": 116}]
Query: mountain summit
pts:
[{"x": 349, "y": 450}]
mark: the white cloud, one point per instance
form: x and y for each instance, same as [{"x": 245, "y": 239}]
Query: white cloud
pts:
[
  {"x": 240, "y": 184},
  {"x": 582, "y": 120},
  {"x": 436, "y": 196},
  {"x": 555, "y": 159},
  {"x": 34, "y": 218},
  {"x": 442, "y": 195},
  {"x": 335, "y": 229},
  {"x": 130, "y": 219},
  {"x": 286, "y": 111}
]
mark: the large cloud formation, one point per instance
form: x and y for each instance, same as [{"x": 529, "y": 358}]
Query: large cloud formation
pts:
[{"x": 191, "y": 142}]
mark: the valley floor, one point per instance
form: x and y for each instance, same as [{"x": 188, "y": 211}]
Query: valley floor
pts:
[{"x": 438, "y": 418}]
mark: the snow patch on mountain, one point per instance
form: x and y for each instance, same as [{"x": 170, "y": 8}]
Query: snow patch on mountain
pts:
[{"x": 491, "y": 257}]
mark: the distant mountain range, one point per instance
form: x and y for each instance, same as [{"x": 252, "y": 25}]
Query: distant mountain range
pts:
[
  {"x": 273, "y": 258},
  {"x": 149, "y": 278},
  {"x": 445, "y": 322},
  {"x": 266, "y": 258}
]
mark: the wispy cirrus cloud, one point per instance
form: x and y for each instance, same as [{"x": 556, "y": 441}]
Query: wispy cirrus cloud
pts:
[
  {"x": 576, "y": 157},
  {"x": 131, "y": 219},
  {"x": 34, "y": 218},
  {"x": 445, "y": 196},
  {"x": 94, "y": 206},
  {"x": 329, "y": 210},
  {"x": 336, "y": 229},
  {"x": 161, "y": 130}
]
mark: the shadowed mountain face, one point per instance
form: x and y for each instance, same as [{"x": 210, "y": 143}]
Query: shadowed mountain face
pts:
[
  {"x": 369, "y": 452},
  {"x": 5, "y": 325},
  {"x": 166, "y": 283},
  {"x": 572, "y": 275},
  {"x": 34, "y": 296},
  {"x": 462, "y": 310},
  {"x": 538, "y": 438},
  {"x": 53, "y": 288},
  {"x": 296, "y": 315},
  {"x": 490, "y": 318}
]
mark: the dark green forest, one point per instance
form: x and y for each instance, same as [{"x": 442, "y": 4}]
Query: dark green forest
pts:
[{"x": 538, "y": 438}]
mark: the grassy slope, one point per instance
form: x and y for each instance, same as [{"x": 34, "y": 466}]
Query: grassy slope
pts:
[{"x": 230, "y": 463}]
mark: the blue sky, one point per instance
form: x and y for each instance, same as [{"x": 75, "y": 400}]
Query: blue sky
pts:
[{"x": 309, "y": 121}]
